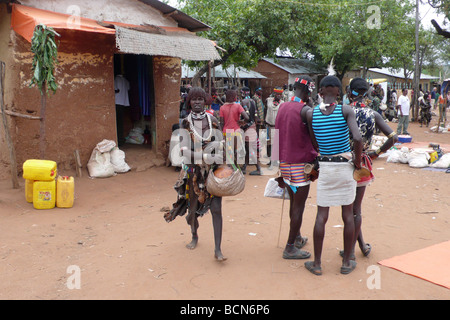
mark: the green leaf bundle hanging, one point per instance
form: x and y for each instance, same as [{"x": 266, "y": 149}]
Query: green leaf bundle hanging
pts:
[{"x": 45, "y": 50}]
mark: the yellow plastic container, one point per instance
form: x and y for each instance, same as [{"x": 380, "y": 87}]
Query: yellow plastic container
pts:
[
  {"x": 433, "y": 157},
  {"x": 42, "y": 170},
  {"x": 29, "y": 190},
  {"x": 44, "y": 194},
  {"x": 65, "y": 189}
]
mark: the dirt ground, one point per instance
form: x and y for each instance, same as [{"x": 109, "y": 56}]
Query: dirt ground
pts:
[{"x": 116, "y": 245}]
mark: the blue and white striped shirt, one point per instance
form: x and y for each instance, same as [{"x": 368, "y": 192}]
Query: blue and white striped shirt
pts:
[{"x": 331, "y": 131}]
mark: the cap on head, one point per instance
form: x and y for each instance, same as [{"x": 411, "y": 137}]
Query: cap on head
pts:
[
  {"x": 358, "y": 86},
  {"x": 330, "y": 81}
]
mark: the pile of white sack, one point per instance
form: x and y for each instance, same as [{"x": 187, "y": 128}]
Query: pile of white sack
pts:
[
  {"x": 417, "y": 158},
  {"x": 136, "y": 136},
  {"x": 107, "y": 160}
]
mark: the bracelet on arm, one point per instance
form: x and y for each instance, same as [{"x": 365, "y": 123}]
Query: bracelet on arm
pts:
[{"x": 393, "y": 134}]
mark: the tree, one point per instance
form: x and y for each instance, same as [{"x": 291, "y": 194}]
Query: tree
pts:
[
  {"x": 353, "y": 33},
  {"x": 360, "y": 35},
  {"x": 443, "y": 7},
  {"x": 248, "y": 30},
  {"x": 45, "y": 51}
]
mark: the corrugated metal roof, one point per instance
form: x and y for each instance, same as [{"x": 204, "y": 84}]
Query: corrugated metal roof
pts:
[
  {"x": 183, "y": 45},
  {"x": 296, "y": 66},
  {"x": 399, "y": 73},
  {"x": 229, "y": 72}
]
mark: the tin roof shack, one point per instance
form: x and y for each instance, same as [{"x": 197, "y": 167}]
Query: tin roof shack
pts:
[
  {"x": 228, "y": 77},
  {"x": 284, "y": 70},
  {"x": 395, "y": 78},
  {"x": 144, "y": 40}
]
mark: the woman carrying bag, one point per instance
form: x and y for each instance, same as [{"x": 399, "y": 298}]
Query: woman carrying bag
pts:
[{"x": 201, "y": 147}]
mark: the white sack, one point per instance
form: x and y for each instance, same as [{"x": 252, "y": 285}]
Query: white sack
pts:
[
  {"x": 99, "y": 165},
  {"x": 105, "y": 145},
  {"x": 418, "y": 159},
  {"x": 118, "y": 161},
  {"x": 443, "y": 162}
]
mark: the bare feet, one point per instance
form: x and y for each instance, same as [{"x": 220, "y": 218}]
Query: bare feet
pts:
[
  {"x": 193, "y": 243},
  {"x": 219, "y": 256}
]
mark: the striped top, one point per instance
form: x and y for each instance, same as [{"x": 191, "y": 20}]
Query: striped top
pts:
[{"x": 331, "y": 131}]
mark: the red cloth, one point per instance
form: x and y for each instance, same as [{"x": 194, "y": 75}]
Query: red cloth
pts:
[
  {"x": 292, "y": 134},
  {"x": 231, "y": 113}
]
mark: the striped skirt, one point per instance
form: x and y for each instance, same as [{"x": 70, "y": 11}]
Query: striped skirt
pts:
[{"x": 294, "y": 174}]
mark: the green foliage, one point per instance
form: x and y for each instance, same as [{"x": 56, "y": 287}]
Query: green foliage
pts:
[
  {"x": 45, "y": 51},
  {"x": 251, "y": 29},
  {"x": 349, "y": 32},
  {"x": 359, "y": 35}
]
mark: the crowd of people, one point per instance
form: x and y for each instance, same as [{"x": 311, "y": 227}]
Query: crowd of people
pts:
[{"x": 330, "y": 136}]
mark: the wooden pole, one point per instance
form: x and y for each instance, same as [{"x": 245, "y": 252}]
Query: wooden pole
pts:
[
  {"x": 12, "y": 153},
  {"x": 42, "y": 145},
  {"x": 208, "y": 78},
  {"x": 415, "y": 97}
]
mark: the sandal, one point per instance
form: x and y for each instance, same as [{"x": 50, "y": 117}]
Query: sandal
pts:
[
  {"x": 309, "y": 265},
  {"x": 300, "y": 242},
  {"x": 297, "y": 254},
  {"x": 367, "y": 250},
  {"x": 347, "y": 270},
  {"x": 352, "y": 256}
]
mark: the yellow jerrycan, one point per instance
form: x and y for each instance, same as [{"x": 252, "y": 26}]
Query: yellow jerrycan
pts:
[
  {"x": 44, "y": 194},
  {"x": 43, "y": 170},
  {"x": 29, "y": 190},
  {"x": 65, "y": 189}
]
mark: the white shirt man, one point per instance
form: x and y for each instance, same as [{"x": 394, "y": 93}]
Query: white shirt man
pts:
[{"x": 403, "y": 106}]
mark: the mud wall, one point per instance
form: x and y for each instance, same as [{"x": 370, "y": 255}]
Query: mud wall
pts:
[
  {"x": 126, "y": 11},
  {"x": 82, "y": 111},
  {"x": 275, "y": 77},
  {"x": 6, "y": 57},
  {"x": 166, "y": 76}
]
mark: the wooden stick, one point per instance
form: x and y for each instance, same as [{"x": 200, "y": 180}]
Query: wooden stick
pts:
[
  {"x": 12, "y": 152},
  {"x": 78, "y": 163},
  {"x": 20, "y": 115},
  {"x": 281, "y": 221}
]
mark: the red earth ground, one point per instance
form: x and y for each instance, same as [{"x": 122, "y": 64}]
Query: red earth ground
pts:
[{"x": 116, "y": 240}]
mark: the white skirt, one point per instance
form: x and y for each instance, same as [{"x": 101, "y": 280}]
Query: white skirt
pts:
[{"x": 335, "y": 185}]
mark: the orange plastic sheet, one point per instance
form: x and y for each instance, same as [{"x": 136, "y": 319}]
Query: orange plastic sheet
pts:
[
  {"x": 24, "y": 19},
  {"x": 429, "y": 264}
]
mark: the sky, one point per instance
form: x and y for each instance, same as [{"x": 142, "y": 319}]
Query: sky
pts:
[{"x": 427, "y": 13}]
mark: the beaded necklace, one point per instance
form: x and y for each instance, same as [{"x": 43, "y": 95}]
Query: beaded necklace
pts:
[
  {"x": 198, "y": 116},
  {"x": 190, "y": 118}
]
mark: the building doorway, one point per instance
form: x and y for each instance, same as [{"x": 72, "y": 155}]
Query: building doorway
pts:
[{"x": 135, "y": 100}]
